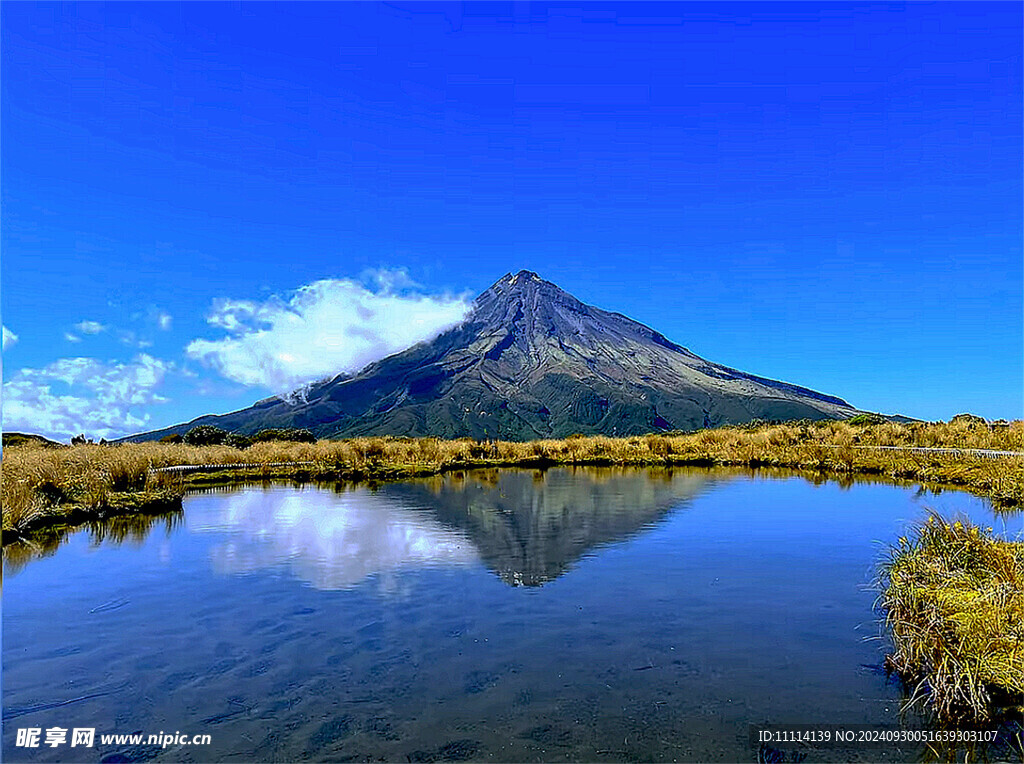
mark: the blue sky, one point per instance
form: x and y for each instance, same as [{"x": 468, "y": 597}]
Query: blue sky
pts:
[{"x": 201, "y": 201}]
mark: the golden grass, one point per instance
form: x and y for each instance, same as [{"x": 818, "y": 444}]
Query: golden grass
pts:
[
  {"x": 954, "y": 602},
  {"x": 46, "y": 485}
]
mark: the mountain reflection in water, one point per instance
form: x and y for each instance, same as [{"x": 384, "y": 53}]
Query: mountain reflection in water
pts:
[
  {"x": 531, "y": 526},
  {"x": 528, "y": 527}
]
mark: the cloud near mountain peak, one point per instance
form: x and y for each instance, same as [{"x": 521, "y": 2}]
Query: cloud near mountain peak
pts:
[{"x": 322, "y": 329}]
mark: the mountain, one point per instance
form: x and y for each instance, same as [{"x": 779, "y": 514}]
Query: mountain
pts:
[{"x": 532, "y": 361}]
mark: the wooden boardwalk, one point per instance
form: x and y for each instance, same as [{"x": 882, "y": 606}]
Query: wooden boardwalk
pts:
[
  {"x": 184, "y": 468},
  {"x": 976, "y": 453}
]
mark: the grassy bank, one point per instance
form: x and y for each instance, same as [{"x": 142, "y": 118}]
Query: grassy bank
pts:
[
  {"x": 43, "y": 486},
  {"x": 954, "y": 603}
]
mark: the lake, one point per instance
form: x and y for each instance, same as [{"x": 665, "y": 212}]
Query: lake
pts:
[{"x": 513, "y": 615}]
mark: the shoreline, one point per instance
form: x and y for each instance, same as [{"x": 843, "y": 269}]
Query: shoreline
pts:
[{"x": 151, "y": 478}]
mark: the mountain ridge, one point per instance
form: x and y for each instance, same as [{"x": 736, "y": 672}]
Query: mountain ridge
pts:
[{"x": 532, "y": 361}]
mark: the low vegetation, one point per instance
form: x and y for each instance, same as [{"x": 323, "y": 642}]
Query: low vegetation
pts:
[
  {"x": 43, "y": 485},
  {"x": 954, "y": 603}
]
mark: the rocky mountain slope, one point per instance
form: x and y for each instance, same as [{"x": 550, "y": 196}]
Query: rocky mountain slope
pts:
[{"x": 532, "y": 361}]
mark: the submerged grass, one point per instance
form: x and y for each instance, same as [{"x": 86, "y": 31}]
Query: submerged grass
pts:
[
  {"x": 954, "y": 603},
  {"x": 43, "y": 486}
]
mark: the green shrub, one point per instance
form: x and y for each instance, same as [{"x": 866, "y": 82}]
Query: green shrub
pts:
[
  {"x": 866, "y": 419},
  {"x": 238, "y": 441},
  {"x": 173, "y": 438},
  {"x": 290, "y": 434},
  {"x": 206, "y": 435},
  {"x": 970, "y": 420}
]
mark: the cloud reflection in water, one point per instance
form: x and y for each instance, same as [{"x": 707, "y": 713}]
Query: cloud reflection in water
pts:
[{"x": 331, "y": 540}]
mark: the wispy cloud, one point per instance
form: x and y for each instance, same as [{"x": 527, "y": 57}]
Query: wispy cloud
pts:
[
  {"x": 9, "y": 338},
  {"x": 322, "y": 329},
  {"x": 90, "y": 327},
  {"x": 131, "y": 339},
  {"x": 84, "y": 395},
  {"x": 156, "y": 316}
]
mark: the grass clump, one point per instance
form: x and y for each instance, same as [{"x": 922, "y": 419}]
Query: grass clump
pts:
[
  {"x": 48, "y": 486},
  {"x": 954, "y": 603}
]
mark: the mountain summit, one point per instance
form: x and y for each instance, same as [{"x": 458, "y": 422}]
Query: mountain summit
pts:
[{"x": 532, "y": 361}]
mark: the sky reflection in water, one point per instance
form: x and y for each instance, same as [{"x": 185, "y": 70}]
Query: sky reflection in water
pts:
[{"x": 591, "y": 614}]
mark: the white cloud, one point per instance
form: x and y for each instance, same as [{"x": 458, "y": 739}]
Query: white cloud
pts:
[
  {"x": 163, "y": 320},
  {"x": 323, "y": 329},
  {"x": 83, "y": 395},
  {"x": 72, "y": 337},
  {"x": 9, "y": 338},
  {"x": 90, "y": 327}
]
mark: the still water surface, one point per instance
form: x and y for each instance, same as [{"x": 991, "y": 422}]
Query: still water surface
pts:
[{"x": 565, "y": 615}]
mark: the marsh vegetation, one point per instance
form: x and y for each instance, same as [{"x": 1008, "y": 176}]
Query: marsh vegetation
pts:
[
  {"x": 44, "y": 486},
  {"x": 954, "y": 603}
]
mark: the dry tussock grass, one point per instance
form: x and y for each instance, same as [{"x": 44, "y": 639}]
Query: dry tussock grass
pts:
[{"x": 954, "y": 602}]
